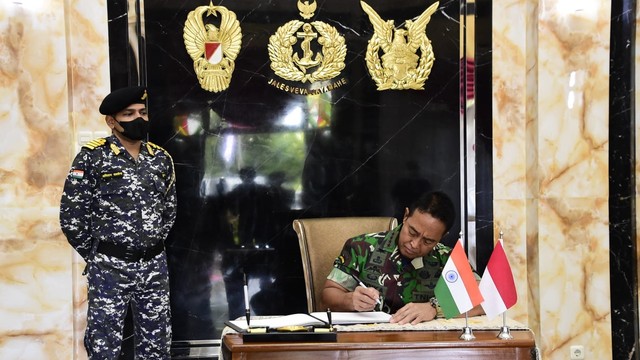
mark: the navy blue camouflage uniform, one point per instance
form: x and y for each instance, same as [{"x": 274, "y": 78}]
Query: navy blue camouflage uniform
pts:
[{"x": 112, "y": 201}]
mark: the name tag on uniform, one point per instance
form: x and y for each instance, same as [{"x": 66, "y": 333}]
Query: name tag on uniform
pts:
[{"x": 116, "y": 174}]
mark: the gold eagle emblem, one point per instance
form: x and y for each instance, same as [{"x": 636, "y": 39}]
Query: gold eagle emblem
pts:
[
  {"x": 306, "y": 9},
  {"x": 399, "y": 67},
  {"x": 307, "y": 65},
  {"x": 213, "y": 49}
]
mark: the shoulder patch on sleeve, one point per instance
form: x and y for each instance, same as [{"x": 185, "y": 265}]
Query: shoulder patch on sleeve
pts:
[
  {"x": 96, "y": 143},
  {"x": 77, "y": 174}
]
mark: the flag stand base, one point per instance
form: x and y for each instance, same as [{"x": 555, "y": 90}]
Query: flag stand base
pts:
[
  {"x": 467, "y": 334},
  {"x": 505, "y": 333}
]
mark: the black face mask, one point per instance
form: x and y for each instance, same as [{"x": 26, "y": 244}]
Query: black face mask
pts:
[{"x": 136, "y": 129}]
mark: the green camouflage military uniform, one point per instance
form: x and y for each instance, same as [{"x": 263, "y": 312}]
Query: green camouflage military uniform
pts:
[
  {"x": 109, "y": 197},
  {"x": 377, "y": 262}
]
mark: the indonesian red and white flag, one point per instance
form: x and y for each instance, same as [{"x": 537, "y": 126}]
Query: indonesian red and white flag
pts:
[
  {"x": 457, "y": 290},
  {"x": 497, "y": 285},
  {"x": 213, "y": 52}
]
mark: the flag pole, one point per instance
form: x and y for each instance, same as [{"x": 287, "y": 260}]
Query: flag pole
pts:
[
  {"x": 505, "y": 333},
  {"x": 467, "y": 333}
]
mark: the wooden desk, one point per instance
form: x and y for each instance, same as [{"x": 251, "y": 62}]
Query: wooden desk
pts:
[{"x": 392, "y": 345}]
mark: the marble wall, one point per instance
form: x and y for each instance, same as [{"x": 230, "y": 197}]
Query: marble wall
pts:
[
  {"x": 551, "y": 167},
  {"x": 550, "y": 109},
  {"x": 54, "y": 72}
]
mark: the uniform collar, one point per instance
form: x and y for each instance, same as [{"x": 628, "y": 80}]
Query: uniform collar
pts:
[
  {"x": 417, "y": 263},
  {"x": 390, "y": 243}
]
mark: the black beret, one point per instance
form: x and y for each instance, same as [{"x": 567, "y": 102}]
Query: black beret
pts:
[{"x": 121, "y": 98}]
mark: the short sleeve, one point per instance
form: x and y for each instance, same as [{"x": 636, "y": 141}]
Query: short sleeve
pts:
[{"x": 343, "y": 279}]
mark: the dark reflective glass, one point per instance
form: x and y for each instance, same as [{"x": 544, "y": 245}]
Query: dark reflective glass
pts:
[{"x": 254, "y": 157}]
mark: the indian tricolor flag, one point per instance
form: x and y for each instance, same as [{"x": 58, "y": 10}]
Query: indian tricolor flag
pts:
[
  {"x": 497, "y": 285},
  {"x": 457, "y": 290}
]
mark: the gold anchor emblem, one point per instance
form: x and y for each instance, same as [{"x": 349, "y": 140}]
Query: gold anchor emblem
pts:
[
  {"x": 213, "y": 49},
  {"x": 324, "y": 64},
  {"x": 401, "y": 68},
  {"x": 306, "y": 61}
]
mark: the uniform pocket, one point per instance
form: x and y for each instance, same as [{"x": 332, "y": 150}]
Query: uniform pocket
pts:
[
  {"x": 115, "y": 195},
  {"x": 113, "y": 187}
]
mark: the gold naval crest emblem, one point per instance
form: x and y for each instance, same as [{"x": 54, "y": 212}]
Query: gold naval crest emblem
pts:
[
  {"x": 401, "y": 67},
  {"x": 213, "y": 49},
  {"x": 306, "y": 65}
]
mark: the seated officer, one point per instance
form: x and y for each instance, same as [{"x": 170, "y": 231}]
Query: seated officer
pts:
[
  {"x": 118, "y": 205},
  {"x": 399, "y": 268}
]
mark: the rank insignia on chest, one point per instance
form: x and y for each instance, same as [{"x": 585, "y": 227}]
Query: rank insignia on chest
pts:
[
  {"x": 77, "y": 174},
  {"x": 377, "y": 258}
]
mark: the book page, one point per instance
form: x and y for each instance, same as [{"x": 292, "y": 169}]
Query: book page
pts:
[
  {"x": 348, "y": 317},
  {"x": 278, "y": 321}
]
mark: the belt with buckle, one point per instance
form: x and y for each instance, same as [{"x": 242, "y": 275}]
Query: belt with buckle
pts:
[{"x": 130, "y": 254}]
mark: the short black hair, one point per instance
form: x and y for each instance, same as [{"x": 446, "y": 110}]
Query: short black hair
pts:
[{"x": 437, "y": 204}]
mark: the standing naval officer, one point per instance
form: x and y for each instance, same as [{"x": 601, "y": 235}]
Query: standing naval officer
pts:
[{"x": 118, "y": 205}]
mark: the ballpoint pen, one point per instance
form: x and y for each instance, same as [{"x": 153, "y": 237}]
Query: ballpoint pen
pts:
[
  {"x": 364, "y": 286},
  {"x": 329, "y": 319},
  {"x": 246, "y": 300}
]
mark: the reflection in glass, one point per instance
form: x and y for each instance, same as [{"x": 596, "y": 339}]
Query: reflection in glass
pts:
[
  {"x": 253, "y": 158},
  {"x": 468, "y": 129},
  {"x": 319, "y": 115}
]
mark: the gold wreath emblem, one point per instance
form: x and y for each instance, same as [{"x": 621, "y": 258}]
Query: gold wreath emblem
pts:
[
  {"x": 401, "y": 68},
  {"x": 328, "y": 62},
  {"x": 213, "y": 49}
]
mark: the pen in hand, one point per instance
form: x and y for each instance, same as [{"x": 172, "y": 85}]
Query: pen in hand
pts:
[
  {"x": 362, "y": 284},
  {"x": 246, "y": 300}
]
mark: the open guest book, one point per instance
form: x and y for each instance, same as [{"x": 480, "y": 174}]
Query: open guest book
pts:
[
  {"x": 302, "y": 327},
  {"x": 314, "y": 319},
  {"x": 347, "y": 318}
]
